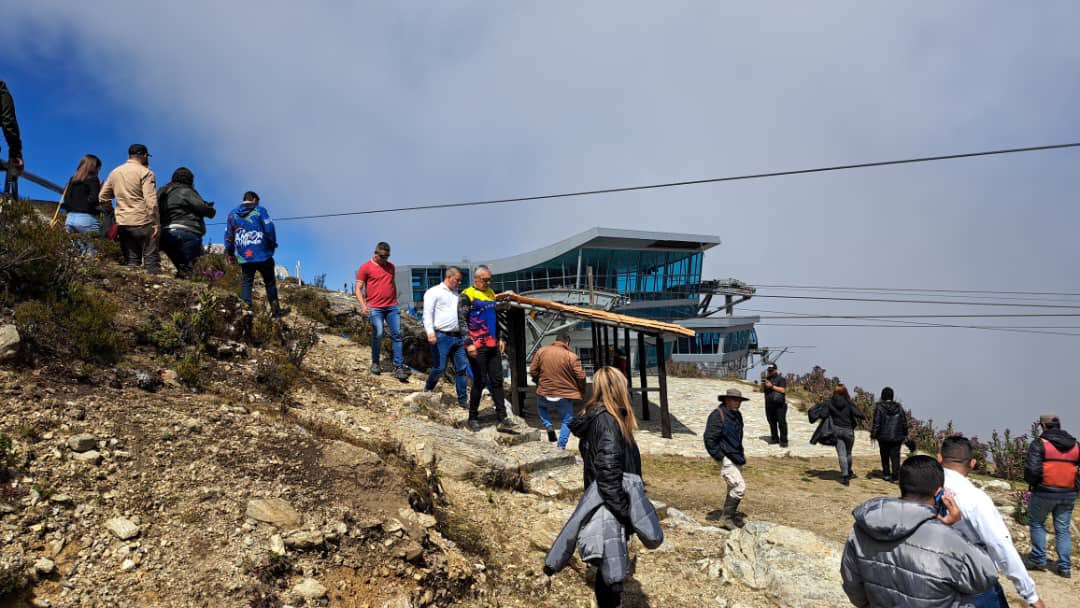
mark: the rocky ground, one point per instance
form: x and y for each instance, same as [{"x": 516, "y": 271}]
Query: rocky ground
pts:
[{"x": 134, "y": 489}]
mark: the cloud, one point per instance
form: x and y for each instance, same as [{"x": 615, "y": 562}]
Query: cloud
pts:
[{"x": 339, "y": 106}]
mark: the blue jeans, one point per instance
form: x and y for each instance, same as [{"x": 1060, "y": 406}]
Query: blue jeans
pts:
[
  {"x": 992, "y": 598},
  {"x": 87, "y": 225},
  {"x": 565, "y": 408},
  {"x": 446, "y": 346},
  {"x": 183, "y": 247},
  {"x": 1061, "y": 509},
  {"x": 380, "y": 318}
]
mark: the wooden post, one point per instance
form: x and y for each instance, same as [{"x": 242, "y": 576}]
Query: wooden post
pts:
[
  {"x": 629, "y": 372},
  {"x": 643, "y": 368},
  {"x": 595, "y": 345},
  {"x": 515, "y": 348},
  {"x": 661, "y": 368},
  {"x": 604, "y": 343}
]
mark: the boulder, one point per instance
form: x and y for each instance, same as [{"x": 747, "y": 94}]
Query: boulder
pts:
[
  {"x": 794, "y": 567},
  {"x": 310, "y": 589},
  {"x": 82, "y": 442},
  {"x": 9, "y": 342},
  {"x": 273, "y": 511},
  {"x": 122, "y": 528},
  {"x": 305, "y": 540},
  {"x": 90, "y": 457}
]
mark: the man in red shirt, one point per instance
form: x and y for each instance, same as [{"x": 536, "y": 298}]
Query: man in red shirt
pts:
[{"x": 377, "y": 295}]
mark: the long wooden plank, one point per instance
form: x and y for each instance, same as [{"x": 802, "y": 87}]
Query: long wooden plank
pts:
[{"x": 601, "y": 316}]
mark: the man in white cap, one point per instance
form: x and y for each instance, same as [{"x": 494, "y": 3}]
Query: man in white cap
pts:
[{"x": 723, "y": 440}]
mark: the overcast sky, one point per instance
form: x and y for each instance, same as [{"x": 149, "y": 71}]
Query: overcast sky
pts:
[{"x": 362, "y": 107}]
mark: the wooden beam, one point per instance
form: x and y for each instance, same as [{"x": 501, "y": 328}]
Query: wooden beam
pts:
[
  {"x": 515, "y": 350},
  {"x": 661, "y": 368},
  {"x": 643, "y": 368}
]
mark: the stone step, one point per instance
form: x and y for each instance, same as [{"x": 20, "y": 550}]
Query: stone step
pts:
[{"x": 561, "y": 482}]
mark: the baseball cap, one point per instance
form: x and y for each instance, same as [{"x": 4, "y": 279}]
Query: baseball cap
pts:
[
  {"x": 138, "y": 150},
  {"x": 772, "y": 366}
]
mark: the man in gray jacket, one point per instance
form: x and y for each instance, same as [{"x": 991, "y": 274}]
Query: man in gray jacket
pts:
[{"x": 901, "y": 552}]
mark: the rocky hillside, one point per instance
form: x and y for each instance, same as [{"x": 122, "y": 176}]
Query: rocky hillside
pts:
[{"x": 162, "y": 446}]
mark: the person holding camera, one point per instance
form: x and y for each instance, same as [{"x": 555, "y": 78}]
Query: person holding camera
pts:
[{"x": 776, "y": 405}]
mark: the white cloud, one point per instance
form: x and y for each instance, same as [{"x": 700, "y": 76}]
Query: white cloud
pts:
[{"x": 336, "y": 106}]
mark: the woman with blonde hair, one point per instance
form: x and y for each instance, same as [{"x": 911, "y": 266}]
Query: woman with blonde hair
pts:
[{"x": 606, "y": 432}]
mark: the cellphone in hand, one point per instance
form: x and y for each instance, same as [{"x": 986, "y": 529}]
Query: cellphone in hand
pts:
[{"x": 939, "y": 504}]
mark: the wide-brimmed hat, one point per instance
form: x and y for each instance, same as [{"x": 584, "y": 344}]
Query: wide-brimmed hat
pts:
[{"x": 732, "y": 392}]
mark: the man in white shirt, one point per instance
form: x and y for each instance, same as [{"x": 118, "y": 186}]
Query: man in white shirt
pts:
[
  {"x": 444, "y": 333},
  {"x": 982, "y": 524}
]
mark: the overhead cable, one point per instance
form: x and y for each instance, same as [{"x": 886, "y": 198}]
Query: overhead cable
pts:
[{"x": 693, "y": 182}]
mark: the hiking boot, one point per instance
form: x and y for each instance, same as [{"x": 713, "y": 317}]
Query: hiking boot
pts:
[
  {"x": 473, "y": 425},
  {"x": 783, "y": 444},
  {"x": 506, "y": 424},
  {"x": 401, "y": 373},
  {"x": 375, "y": 369},
  {"x": 846, "y": 481},
  {"x": 551, "y": 435},
  {"x": 1063, "y": 573},
  {"x": 730, "y": 520},
  {"x": 1031, "y": 565},
  {"x": 277, "y": 311}
]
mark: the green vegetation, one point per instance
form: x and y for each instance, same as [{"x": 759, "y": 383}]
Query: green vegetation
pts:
[{"x": 79, "y": 321}]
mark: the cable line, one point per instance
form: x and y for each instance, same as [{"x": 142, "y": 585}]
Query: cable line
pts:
[
  {"x": 795, "y": 315},
  {"x": 694, "y": 182},
  {"x": 926, "y": 290},
  {"x": 845, "y": 299}
]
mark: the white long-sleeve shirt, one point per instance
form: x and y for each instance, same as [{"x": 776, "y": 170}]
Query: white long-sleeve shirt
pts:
[
  {"x": 983, "y": 519},
  {"x": 440, "y": 309}
]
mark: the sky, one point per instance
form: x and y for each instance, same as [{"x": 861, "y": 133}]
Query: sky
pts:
[{"x": 335, "y": 106}]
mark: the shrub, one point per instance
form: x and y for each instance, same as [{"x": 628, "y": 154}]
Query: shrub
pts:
[
  {"x": 277, "y": 375},
  {"x": 1008, "y": 453},
  {"x": 80, "y": 322},
  {"x": 311, "y": 303},
  {"x": 34, "y": 258},
  {"x": 1022, "y": 507},
  {"x": 189, "y": 370},
  {"x": 9, "y": 459},
  {"x": 683, "y": 369},
  {"x": 216, "y": 269}
]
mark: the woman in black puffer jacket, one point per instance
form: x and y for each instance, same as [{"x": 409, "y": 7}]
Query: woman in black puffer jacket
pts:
[
  {"x": 845, "y": 416},
  {"x": 606, "y": 431}
]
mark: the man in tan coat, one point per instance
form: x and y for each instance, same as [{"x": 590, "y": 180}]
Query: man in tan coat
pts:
[
  {"x": 560, "y": 380},
  {"x": 134, "y": 187}
]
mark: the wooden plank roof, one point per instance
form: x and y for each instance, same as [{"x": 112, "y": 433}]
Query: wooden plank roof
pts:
[{"x": 599, "y": 316}]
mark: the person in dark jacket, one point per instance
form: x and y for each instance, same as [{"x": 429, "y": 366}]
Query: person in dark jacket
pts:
[
  {"x": 890, "y": 429},
  {"x": 81, "y": 202},
  {"x": 251, "y": 237},
  {"x": 182, "y": 210},
  {"x": 845, "y": 416},
  {"x": 606, "y": 433},
  {"x": 10, "y": 125},
  {"x": 723, "y": 440},
  {"x": 1051, "y": 470},
  {"x": 901, "y": 552},
  {"x": 775, "y": 387}
]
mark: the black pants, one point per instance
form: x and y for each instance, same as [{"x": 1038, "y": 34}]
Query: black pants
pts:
[
  {"x": 776, "y": 414},
  {"x": 890, "y": 457},
  {"x": 607, "y": 596},
  {"x": 183, "y": 247},
  {"x": 487, "y": 371},
  {"x": 247, "y": 282},
  {"x": 140, "y": 248}
]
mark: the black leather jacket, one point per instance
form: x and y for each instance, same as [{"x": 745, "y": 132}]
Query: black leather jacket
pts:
[
  {"x": 890, "y": 422},
  {"x": 607, "y": 455},
  {"x": 180, "y": 205}
]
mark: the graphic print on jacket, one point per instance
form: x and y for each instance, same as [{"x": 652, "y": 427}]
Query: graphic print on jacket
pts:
[
  {"x": 250, "y": 234},
  {"x": 482, "y": 320}
]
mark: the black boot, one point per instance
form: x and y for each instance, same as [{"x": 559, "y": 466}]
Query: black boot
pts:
[
  {"x": 277, "y": 311},
  {"x": 730, "y": 519}
]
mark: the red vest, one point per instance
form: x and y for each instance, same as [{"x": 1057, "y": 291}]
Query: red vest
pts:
[{"x": 1059, "y": 468}]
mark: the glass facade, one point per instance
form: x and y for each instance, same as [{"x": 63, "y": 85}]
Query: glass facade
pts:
[
  {"x": 713, "y": 343},
  {"x": 422, "y": 278},
  {"x": 640, "y": 274}
]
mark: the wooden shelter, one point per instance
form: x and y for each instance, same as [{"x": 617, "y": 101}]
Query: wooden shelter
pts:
[{"x": 606, "y": 329}]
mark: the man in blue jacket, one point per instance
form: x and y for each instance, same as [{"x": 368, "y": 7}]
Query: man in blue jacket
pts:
[
  {"x": 250, "y": 236},
  {"x": 723, "y": 440}
]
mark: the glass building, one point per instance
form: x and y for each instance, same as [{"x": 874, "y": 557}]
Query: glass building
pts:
[{"x": 657, "y": 275}]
